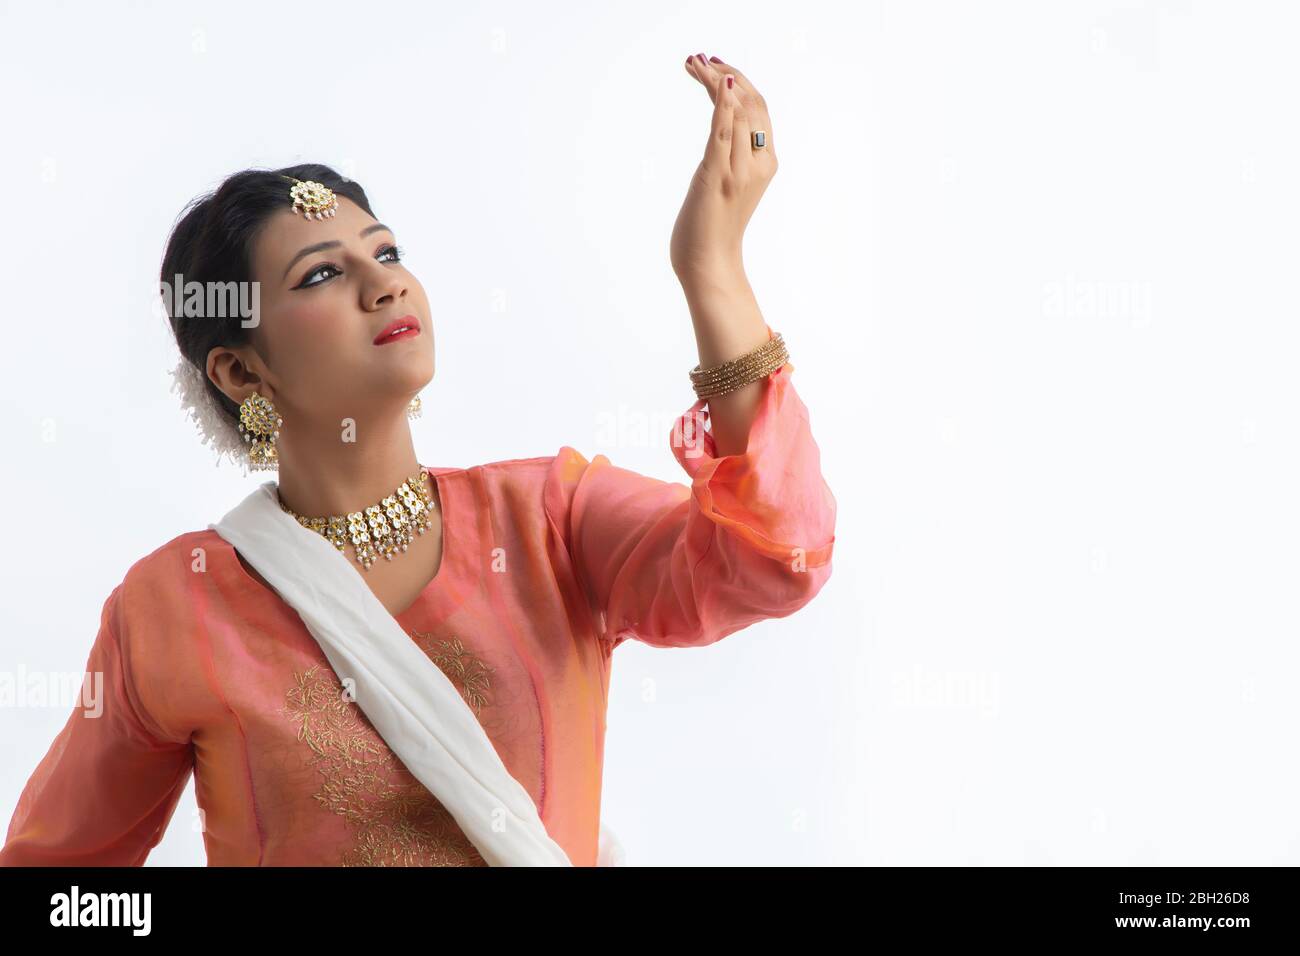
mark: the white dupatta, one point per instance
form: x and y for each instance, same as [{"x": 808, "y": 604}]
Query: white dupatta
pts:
[{"x": 406, "y": 697}]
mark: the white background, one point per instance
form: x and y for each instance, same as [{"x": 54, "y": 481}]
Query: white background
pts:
[{"x": 1034, "y": 266}]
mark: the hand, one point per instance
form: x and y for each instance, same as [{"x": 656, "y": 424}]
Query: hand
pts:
[{"x": 730, "y": 180}]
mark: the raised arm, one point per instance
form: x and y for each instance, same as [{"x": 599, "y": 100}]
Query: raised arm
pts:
[
  {"x": 750, "y": 537},
  {"x": 707, "y": 238}
]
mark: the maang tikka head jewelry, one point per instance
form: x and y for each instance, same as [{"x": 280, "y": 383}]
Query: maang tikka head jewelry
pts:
[
  {"x": 260, "y": 423},
  {"x": 312, "y": 199}
]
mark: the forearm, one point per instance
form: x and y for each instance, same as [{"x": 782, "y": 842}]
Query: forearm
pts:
[{"x": 728, "y": 324}]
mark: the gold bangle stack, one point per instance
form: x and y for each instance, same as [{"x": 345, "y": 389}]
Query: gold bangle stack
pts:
[{"x": 738, "y": 373}]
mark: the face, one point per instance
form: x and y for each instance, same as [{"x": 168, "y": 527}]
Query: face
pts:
[{"x": 315, "y": 352}]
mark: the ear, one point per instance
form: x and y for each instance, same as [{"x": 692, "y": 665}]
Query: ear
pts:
[{"x": 234, "y": 372}]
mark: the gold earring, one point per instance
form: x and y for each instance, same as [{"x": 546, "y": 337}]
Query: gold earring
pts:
[
  {"x": 260, "y": 423},
  {"x": 414, "y": 408}
]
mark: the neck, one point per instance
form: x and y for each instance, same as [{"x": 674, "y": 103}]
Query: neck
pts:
[{"x": 321, "y": 475}]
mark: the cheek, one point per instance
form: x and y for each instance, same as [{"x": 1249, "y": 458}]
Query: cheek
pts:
[
  {"x": 311, "y": 329},
  {"x": 308, "y": 341}
]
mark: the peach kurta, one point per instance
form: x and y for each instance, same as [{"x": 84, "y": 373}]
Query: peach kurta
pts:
[{"x": 548, "y": 564}]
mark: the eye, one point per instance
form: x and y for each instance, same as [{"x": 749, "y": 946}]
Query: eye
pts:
[
  {"x": 305, "y": 283},
  {"x": 396, "y": 252}
]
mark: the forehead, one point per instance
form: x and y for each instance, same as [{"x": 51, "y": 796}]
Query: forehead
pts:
[{"x": 285, "y": 233}]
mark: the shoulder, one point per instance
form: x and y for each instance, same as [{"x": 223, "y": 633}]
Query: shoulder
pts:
[
  {"x": 154, "y": 619},
  {"x": 524, "y": 467},
  {"x": 541, "y": 483},
  {"x": 168, "y": 573},
  {"x": 160, "y": 599},
  {"x": 536, "y": 471},
  {"x": 174, "y": 557}
]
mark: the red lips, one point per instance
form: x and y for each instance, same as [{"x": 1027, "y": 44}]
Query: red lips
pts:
[{"x": 408, "y": 322}]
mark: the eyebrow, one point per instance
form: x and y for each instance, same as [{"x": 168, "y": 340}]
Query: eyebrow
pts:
[{"x": 331, "y": 244}]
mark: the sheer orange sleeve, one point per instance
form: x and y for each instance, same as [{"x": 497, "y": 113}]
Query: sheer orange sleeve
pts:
[
  {"x": 106, "y": 789},
  {"x": 677, "y": 565}
]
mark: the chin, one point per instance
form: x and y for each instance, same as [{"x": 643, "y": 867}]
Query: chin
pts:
[{"x": 411, "y": 371}]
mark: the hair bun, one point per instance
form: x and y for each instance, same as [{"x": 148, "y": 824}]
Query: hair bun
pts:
[{"x": 210, "y": 419}]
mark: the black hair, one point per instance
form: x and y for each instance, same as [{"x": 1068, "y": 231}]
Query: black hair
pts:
[{"x": 212, "y": 241}]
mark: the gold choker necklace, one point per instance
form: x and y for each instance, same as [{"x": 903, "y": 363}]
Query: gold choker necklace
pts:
[{"x": 382, "y": 529}]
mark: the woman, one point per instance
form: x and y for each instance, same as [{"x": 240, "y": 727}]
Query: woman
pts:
[{"x": 321, "y": 696}]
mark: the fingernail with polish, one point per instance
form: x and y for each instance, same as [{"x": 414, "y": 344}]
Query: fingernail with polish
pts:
[
  {"x": 714, "y": 59},
  {"x": 728, "y": 81}
]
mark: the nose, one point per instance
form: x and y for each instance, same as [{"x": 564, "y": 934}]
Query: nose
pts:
[{"x": 387, "y": 287}]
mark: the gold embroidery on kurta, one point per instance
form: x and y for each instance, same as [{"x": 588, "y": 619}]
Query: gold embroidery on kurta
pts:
[
  {"x": 397, "y": 821},
  {"x": 467, "y": 672}
]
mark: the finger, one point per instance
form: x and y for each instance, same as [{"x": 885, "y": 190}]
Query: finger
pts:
[
  {"x": 700, "y": 68},
  {"x": 741, "y": 151},
  {"x": 751, "y": 99},
  {"x": 717, "y": 155},
  {"x": 747, "y": 88}
]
